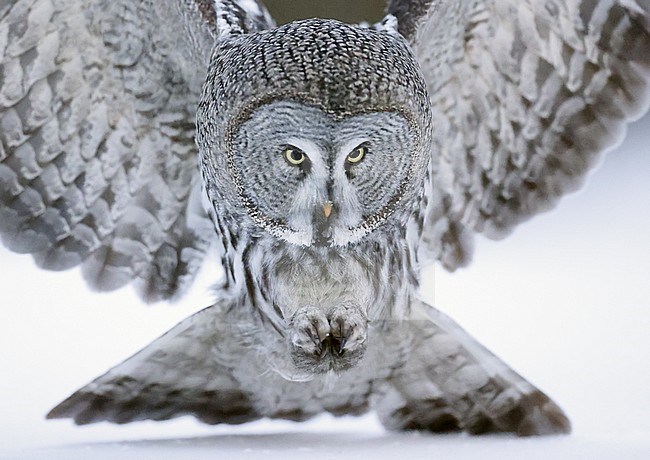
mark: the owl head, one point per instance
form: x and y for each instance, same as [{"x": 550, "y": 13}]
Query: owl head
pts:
[{"x": 316, "y": 132}]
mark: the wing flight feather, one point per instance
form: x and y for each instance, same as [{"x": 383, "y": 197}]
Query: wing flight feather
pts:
[
  {"x": 525, "y": 95},
  {"x": 97, "y": 157}
]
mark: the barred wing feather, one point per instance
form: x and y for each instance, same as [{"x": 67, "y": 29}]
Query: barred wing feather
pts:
[
  {"x": 98, "y": 163},
  {"x": 526, "y": 95}
]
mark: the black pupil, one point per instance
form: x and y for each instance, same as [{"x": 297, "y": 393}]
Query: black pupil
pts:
[
  {"x": 296, "y": 155},
  {"x": 357, "y": 153}
]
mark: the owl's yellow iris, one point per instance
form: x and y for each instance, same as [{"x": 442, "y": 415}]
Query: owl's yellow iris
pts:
[
  {"x": 357, "y": 154},
  {"x": 294, "y": 156}
]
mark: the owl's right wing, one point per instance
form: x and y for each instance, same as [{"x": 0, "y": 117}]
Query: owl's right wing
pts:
[
  {"x": 98, "y": 165},
  {"x": 525, "y": 97}
]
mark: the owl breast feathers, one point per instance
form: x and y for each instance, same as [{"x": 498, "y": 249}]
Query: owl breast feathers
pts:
[{"x": 327, "y": 163}]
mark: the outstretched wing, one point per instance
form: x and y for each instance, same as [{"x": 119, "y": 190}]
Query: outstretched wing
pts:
[
  {"x": 97, "y": 157},
  {"x": 525, "y": 96}
]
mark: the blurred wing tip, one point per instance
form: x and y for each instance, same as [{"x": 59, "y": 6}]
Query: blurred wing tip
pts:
[
  {"x": 643, "y": 100},
  {"x": 71, "y": 407},
  {"x": 544, "y": 418}
]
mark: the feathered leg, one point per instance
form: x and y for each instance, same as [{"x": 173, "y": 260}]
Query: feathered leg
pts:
[
  {"x": 450, "y": 382},
  {"x": 186, "y": 371}
]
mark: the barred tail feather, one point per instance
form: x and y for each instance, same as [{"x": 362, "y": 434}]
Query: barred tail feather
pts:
[
  {"x": 451, "y": 382},
  {"x": 177, "y": 374}
]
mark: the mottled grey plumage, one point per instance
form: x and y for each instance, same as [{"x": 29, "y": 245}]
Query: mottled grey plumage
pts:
[{"x": 334, "y": 162}]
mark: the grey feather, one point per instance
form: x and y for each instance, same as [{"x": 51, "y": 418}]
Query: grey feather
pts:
[
  {"x": 464, "y": 387},
  {"x": 335, "y": 162},
  {"x": 97, "y": 111},
  {"x": 525, "y": 98}
]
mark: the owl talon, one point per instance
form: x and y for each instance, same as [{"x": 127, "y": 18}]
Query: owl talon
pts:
[
  {"x": 334, "y": 342},
  {"x": 341, "y": 349},
  {"x": 349, "y": 328},
  {"x": 310, "y": 330}
]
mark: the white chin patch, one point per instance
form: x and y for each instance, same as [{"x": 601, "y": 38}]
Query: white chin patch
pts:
[
  {"x": 340, "y": 237},
  {"x": 298, "y": 237},
  {"x": 345, "y": 236}
]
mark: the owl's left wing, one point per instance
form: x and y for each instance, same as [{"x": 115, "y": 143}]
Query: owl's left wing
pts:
[
  {"x": 525, "y": 96},
  {"x": 97, "y": 156}
]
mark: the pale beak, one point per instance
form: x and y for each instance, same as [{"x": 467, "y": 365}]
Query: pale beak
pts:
[{"x": 327, "y": 209}]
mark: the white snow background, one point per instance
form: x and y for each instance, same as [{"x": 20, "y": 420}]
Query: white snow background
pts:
[{"x": 565, "y": 300}]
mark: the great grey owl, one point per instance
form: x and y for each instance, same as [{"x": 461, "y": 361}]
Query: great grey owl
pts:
[{"x": 328, "y": 163}]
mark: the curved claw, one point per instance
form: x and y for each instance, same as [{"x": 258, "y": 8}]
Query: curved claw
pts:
[{"x": 334, "y": 342}]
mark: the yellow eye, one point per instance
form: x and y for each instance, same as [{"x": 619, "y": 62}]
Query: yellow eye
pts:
[
  {"x": 357, "y": 154},
  {"x": 294, "y": 156}
]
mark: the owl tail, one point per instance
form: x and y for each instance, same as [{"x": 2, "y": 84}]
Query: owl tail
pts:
[
  {"x": 172, "y": 376},
  {"x": 450, "y": 382},
  {"x": 440, "y": 380}
]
